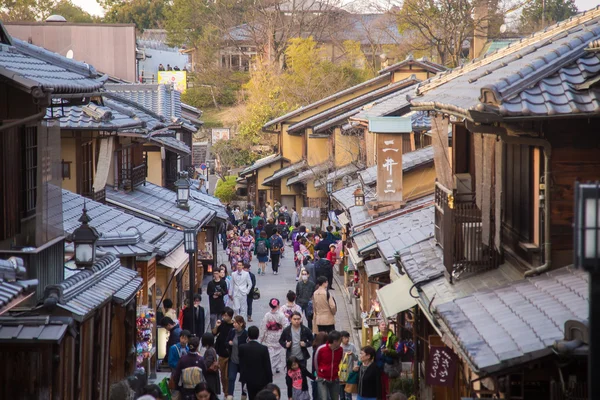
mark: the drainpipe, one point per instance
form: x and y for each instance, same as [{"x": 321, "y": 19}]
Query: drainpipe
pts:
[{"x": 547, "y": 153}]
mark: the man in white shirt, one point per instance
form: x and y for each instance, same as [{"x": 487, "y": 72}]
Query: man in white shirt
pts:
[{"x": 241, "y": 285}]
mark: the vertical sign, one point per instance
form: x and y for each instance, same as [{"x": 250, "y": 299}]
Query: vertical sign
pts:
[
  {"x": 441, "y": 366},
  {"x": 389, "y": 167},
  {"x": 219, "y": 134}
]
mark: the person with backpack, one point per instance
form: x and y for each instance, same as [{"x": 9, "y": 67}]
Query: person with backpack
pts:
[
  {"x": 276, "y": 242},
  {"x": 191, "y": 369},
  {"x": 261, "y": 250}
]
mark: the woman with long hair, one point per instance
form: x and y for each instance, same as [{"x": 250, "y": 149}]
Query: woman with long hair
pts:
[
  {"x": 204, "y": 392},
  {"x": 237, "y": 337},
  {"x": 212, "y": 363},
  {"x": 271, "y": 327},
  {"x": 227, "y": 298}
]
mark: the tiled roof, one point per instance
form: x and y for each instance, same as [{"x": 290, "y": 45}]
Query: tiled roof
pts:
[
  {"x": 270, "y": 159},
  {"x": 308, "y": 173},
  {"x": 151, "y": 120},
  {"x": 34, "y": 66},
  {"x": 368, "y": 176},
  {"x": 92, "y": 116},
  {"x": 396, "y": 234},
  {"x": 13, "y": 284},
  {"x": 170, "y": 143},
  {"x": 37, "y": 329},
  {"x": 338, "y": 173},
  {"x": 417, "y": 158},
  {"x": 162, "y": 99},
  {"x": 316, "y": 104},
  {"x": 352, "y": 104},
  {"x": 285, "y": 171},
  {"x": 161, "y": 202},
  {"x": 106, "y": 219},
  {"x": 423, "y": 261},
  {"x": 365, "y": 241},
  {"x": 520, "y": 322},
  {"x": 376, "y": 266},
  {"x": 386, "y": 106},
  {"x": 211, "y": 202},
  {"x": 546, "y": 74},
  {"x": 419, "y": 62},
  {"x": 89, "y": 289}
]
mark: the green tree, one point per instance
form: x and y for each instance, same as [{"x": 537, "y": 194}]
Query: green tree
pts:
[
  {"x": 26, "y": 10},
  {"x": 231, "y": 154},
  {"x": 72, "y": 13},
  {"x": 145, "y": 14},
  {"x": 225, "y": 190},
  {"x": 552, "y": 11}
]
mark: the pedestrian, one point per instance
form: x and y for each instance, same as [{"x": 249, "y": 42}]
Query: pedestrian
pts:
[
  {"x": 234, "y": 250},
  {"x": 216, "y": 290},
  {"x": 369, "y": 385},
  {"x": 179, "y": 349},
  {"x": 296, "y": 339},
  {"x": 223, "y": 235},
  {"x": 261, "y": 250},
  {"x": 283, "y": 228},
  {"x": 272, "y": 326},
  {"x": 269, "y": 227},
  {"x": 174, "y": 332},
  {"x": 237, "y": 336},
  {"x": 295, "y": 218},
  {"x": 310, "y": 244},
  {"x": 227, "y": 298},
  {"x": 221, "y": 330},
  {"x": 269, "y": 211},
  {"x": 250, "y": 297},
  {"x": 212, "y": 363},
  {"x": 255, "y": 364},
  {"x": 186, "y": 304},
  {"x": 352, "y": 357},
  {"x": 324, "y": 307},
  {"x": 266, "y": 394},
  {"x": 169, "y": 67},
  {"x": 327, "y": 361},
  {"x": 332, "y": 255},
  {"x": 384, "y": 342},
  {"x": 296, "y": 379},
  {"x": 288, "y": 308},
  {"x": 324, "y": 268},
  {"x": 204, "y": 392},
  {"x": 237, "y": 213},
  {"x": 305, "y": 289},
  {"x": 241, "y": 284},
  {"x": 273, "y": 388},
  {"x": 190, "y": 370},
  {"x": 302, "y": 256},
  {"x": 169, "y": 310},
  {"x": 176, "y": 68},
  {"x": 259, "y": 228},
  {"x": 199, "y": 325},
  {"x": 247, "y": 246},
  {"x": 326, "y": 239},
  {"x": 161, "y": 67},
  {"x": 276, "y": 250}
]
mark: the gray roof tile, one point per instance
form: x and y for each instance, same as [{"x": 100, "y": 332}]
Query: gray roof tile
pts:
[
  {"x": 75, "y": 117},
  {"x": 285, "y": 171},
  {"x": 34, "y": 66},
  {"x": 544, "y": 74},
  {"x": 270, "y": 159},
  {"x": 35, "y": 329},
  {"x": 509, "y": 325}
]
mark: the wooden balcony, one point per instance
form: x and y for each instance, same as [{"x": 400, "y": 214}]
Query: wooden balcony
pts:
[
  {"x": 99, "y": 196},
  {"x": 133, "y": 177},
  {"x": 458, "y": 230}
]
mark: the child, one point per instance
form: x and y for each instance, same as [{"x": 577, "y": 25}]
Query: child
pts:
[
  {"x": 349, "y": 349},
  {"x": 331, "y": 255},
  {"x": 297, "y": 385},
  {"x": 179, "y": 349}
]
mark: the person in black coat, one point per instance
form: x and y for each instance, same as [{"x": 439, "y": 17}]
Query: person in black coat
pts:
[
  {"x": 369, "y": 375},
  {"x": 199, "y": 321},
  {"x": 255, "y": 364},
  {"x": 286, "y": 339}
]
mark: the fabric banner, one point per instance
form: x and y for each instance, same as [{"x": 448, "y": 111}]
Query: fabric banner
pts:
[
  {"x": 104, "y": 162},
  {"x": 443, "y": 166},
  {"x": 441, "y": 366}
]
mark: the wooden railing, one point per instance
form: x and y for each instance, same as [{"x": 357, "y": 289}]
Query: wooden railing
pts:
[
  {"x": 138, "y": 175},
  {"x": 458, "y": 230},
  {"x": 99, "y": 196}
]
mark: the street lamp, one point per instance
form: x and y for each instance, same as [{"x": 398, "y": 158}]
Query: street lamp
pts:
[
  {"x": 359, "y": 197},
  {"x": 182, "y": 185},
  {"x": 587, "y": 256},
  {"x": 190, "y": 246},
  {"x": 84, "y": 240}
]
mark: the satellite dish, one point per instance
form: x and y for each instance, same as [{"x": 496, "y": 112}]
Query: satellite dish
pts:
[
  {"x": 503, "y": 28},
  {"x": 346, "y": 180},
  {"x": 70, "y": 54}
]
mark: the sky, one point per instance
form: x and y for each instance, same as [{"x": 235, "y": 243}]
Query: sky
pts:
[{"x": 92, "y": 7}]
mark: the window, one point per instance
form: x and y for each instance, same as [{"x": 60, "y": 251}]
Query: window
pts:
[
  {"x": 87, "y": 168},
  {"x": 30, "y": 170},
  {"x": 66, "y": 169},
  {"x": 518, "y": 190}
]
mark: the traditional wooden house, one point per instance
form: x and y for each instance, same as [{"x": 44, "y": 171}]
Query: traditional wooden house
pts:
[{"x": 494, "y": 290}]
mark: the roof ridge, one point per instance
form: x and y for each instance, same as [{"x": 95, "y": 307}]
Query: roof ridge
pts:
[
  {"x": 546, "y": 34},
  {"x": 116, "y": 96}
]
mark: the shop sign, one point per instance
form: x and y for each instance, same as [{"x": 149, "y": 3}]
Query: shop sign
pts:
[{"x": 441, "y": 366}]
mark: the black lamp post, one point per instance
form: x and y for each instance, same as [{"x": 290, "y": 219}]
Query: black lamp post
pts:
[
  {"x": 84, "y": 240},
  {"x": 190, "y": 245},
  {"x": 587, "y": 256},
  {"x": 359, "y": 197},
  {"x": 329, "y": 189},
  {"x": 182, "y": 185}
]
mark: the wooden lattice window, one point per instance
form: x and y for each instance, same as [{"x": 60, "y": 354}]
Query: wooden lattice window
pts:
[{"x": 30, "y": 165}]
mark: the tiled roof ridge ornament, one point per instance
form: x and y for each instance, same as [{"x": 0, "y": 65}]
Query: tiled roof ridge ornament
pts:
[{"x": 12, "y": 269}]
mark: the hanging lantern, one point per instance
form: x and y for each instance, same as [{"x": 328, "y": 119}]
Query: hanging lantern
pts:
[
  {"x": 84, "y": 240},
  {"x": 359, "y": 197}
]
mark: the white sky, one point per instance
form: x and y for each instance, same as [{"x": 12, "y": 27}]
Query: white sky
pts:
[{"x": 92, "y": 7}]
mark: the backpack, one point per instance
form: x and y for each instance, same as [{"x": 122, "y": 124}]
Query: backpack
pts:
[
  {"x": 276, "y": 245},
  {"x": 261, "y": 248}
]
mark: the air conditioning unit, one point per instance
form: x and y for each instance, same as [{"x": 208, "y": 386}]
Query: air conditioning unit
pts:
[{"x": 472, "y": 245}]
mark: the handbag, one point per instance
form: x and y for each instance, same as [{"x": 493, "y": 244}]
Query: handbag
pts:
[
  {"x": 351, "y": 388},
  {"x": 344, "y": 368},
  {"x": 256, "y": 294}
]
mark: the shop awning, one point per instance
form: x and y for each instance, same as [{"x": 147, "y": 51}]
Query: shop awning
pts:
[
  {"x": 395, "y": 297},
  {"x": 343, "y": 219},
  {"x": 353, "y": 256},
  {"x": 176, "y": 260},
  {"x": 376, "y": 266}
]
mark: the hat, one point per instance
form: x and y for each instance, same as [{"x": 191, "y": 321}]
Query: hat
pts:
[{"x": 332, "y": 245}]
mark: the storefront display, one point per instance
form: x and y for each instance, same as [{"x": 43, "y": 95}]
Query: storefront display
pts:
[{"x": 145, "y": 346}]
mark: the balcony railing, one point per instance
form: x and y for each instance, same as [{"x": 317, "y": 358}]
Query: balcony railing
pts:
[
  {"x": 99, "y": 196},
  {"x": 132, "y": 177},
  {"x": 458, "y": 230}
]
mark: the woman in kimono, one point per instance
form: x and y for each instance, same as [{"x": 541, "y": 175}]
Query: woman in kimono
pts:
[
  {"x": 235, "y": 251},
  {"x": 247, "y": 246},
  {"x": 271, "y": 327}
]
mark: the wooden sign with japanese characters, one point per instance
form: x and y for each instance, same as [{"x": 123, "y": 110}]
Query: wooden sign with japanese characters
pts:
[
  {"x": 441, "y": 366},
  {"x": 389, "y": 167}
]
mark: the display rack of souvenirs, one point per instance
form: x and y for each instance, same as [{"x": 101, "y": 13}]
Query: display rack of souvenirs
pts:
[
  {"x": 207, "y": 253},
  {"x": 144, "y": 341}
]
